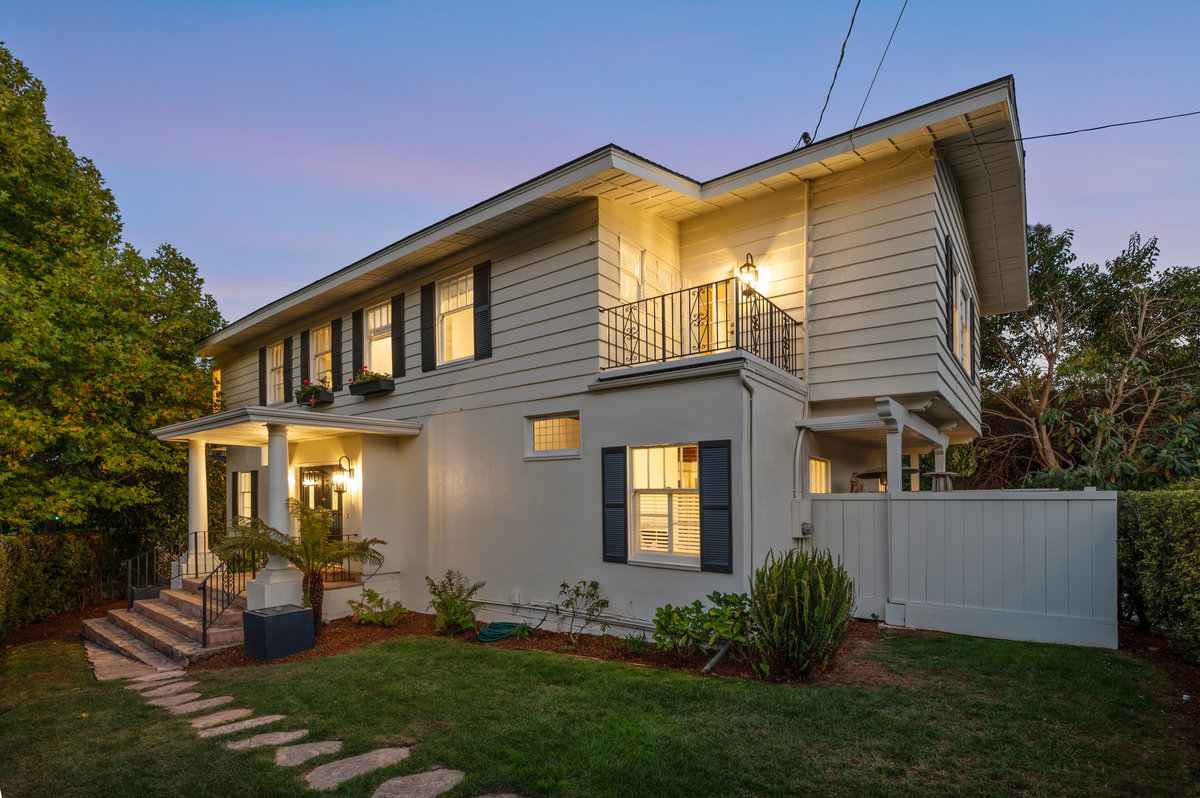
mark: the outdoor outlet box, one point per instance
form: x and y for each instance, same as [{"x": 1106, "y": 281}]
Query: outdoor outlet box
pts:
[
  {"x": 274, "y": 632},
  {"x": 514, "y": 597}
]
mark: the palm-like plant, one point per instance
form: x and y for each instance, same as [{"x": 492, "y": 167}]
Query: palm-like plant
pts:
[{"x": 311, "y": 552}]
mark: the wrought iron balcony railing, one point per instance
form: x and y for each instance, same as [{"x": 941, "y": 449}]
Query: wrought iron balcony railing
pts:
[{"x": 717, "y": 317}]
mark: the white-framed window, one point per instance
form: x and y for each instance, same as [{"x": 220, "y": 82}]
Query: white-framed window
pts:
[
  {"x": 665, "y": 502},
  {"x": 245, "y": 494},
  {"x": 631, "y": 272},
  {"x": 275, "y": 373},
  {"x": 819, "y": 475},
  {"x": 322, "y": 357},
  {"x": 643, "y": 275},
  {"x": 549, "y": 437},
  {"x": 377, "y": 333},
  {"x": 456, "y": 318},
  {"x": 962, "y": 318}
]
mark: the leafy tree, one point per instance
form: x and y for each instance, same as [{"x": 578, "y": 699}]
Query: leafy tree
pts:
[
  {"x": 1095, "y": 383},
  {"x": 96, "y": 341},
  {"x": 311, "y": 552}
]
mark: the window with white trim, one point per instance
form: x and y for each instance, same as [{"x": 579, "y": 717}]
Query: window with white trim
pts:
[
  {"x": 322, "y": 357},
  {"x": 275, "y": 373},
  {"x": 665, "y": 488},
  {"x": 819, "y": 475},
  {"x": 456, "y": 318},
  {"x": 245, "y": 494},
  {"x": 963, "y": 326},
  {"x": 377, "y": 333},
  {"x": 552, "y": 436}
]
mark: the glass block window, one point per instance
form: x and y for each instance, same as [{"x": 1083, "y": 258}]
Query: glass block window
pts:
[{"x": 554, "y": 435}]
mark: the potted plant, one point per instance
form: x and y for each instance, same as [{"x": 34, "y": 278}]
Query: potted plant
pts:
[
  {"x": 368, "y": 383},
  {"x": 311, "y": 394}
]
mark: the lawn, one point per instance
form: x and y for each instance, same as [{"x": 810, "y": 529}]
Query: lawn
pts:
[{"x": 950, "y": 715}]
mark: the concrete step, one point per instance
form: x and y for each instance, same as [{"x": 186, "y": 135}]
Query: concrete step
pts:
[
  {"x": 166, "y": 615},
  {"x": 107, "y": 634},
  {"x": 191, "y": 604},
  {"x": 170, "y": 643}
]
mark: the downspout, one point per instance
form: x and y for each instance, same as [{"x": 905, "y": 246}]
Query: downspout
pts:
[
  {"x": 804, "y": 292},
  {"x": 750, "y": 470}
]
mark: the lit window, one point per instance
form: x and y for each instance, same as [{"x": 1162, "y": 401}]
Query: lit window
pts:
[
  {"x": 666, "y": 503},
  {"x": 378, "y": 335},
  {"x": 819, "y": 480},
  {"x": 322, "y": 357},
  {"x": 553, "y": 436},
  {"x": 275, "y": 373},
  {"x": 631, "y": 272},
  {"x": 245, "y": 492},
  {"x": 456, "y": 318},
  {"x": 216, "y": 375}
]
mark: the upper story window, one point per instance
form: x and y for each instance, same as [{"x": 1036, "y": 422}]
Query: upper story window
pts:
[
  {"x": 819, "y": 475},
  {"x": 322, "y": 357},
  {"x": 275, "y": 387},
  {"x": 553, "y": 436},
  {"x": 455, "y": 318},
  {"x": 666, "y": 504},
  {"x": 216, "y": 396},
  {"x": 643, "y": 275},
  {"x": 378, "y": 336}
]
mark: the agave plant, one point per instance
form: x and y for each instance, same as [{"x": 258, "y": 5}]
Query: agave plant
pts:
[{"x": 311, "y": 552}]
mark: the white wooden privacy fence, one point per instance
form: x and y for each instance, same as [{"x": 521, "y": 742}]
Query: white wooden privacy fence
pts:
[{"x": 1021, "y": 565}]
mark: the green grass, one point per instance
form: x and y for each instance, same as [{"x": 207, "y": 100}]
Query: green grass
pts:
[{"x": 954, "y": 715}]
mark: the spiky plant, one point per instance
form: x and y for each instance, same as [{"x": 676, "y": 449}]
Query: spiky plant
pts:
[{"x": 311, "y": 552}]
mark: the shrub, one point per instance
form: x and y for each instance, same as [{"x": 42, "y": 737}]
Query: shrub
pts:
[
  {"x": 728, "y": 620},
  {"x": 581, "y": 603},
  {"x": 453, "y": 602},
  {"x": 800, "y": 603},
  {"x": 374, "y": 608},
  {"x": 44, "y": 574},
  {"x": 678, "y": 629},
  {"x": 636, "y": 643},
  {"x": 1158, "y": 562}
]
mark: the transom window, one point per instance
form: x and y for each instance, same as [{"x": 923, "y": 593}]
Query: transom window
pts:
[
  {"x": 378, "y": 335},
  {"x": 819, "y": 477},
  {"x": 456, "y": 323},
  {"x": 551, "y": 436},
  {"x": 322, "y": 357},
  {"x": 666, "y": 503},
  {"x": 275, "y": 373}
]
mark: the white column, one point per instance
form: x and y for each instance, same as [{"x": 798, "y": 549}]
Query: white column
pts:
[
  {"x": 914, "y": 481},
  {"x": 196, "y": 560},
  {"x": 895, "y": 471},
  {"x": 279, "y": 582},
  {"x": 939, "y": 458}
]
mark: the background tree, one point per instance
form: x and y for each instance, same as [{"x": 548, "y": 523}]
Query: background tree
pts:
[{"x": 96, "y": 341}]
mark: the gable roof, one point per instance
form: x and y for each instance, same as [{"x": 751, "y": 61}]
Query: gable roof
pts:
[{"x": 976, "y": 132}]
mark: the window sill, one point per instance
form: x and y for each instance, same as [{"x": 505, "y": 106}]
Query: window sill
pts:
[
  {"x": 676, "y": 566},
  {"x": 462, "y": 361},
  {"x": 572, "y": 455}
]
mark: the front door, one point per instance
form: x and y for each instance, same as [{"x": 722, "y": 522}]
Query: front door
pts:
[{"x": 317, "y": 490}]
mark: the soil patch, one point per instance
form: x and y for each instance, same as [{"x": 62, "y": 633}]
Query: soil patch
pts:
[
  {"x": 62, "y": 626},
  {"x": 1183, "y": 674}
]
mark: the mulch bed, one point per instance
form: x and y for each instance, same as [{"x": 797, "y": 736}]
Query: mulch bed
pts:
[{"x": 1183, "y": 675}]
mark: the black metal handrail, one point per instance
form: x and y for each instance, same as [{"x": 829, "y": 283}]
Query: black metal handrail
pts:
[
  {"x": 221, "y": 588},
  {"x": 148, "y": 571},
  {"x": 340, "y": 572},
  {"x": 715, "y": 317},
  {"x": 201, "y": 560}
]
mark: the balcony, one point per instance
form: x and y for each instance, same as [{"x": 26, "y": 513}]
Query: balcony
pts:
[{"x": 718, "y": 317}]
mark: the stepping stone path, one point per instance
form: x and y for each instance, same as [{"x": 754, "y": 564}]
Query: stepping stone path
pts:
[
  {"x": 326, "y": 777},
  {"x": 108, "y": 665},
  {"x": 167, "y": 688},
  {"x": 294, "y": 755},
  {"x": 270, "y": 738},
  {"x": 419, "y": 785}
]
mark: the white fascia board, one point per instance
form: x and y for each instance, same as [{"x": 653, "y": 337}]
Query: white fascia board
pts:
[{"x": 198, "y": 427}]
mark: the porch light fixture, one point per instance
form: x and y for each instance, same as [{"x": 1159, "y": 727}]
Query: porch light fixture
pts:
[
  {"x": 309, "y": 478},
  {"x": 748, "y": 273},
  {"x": 342, "y": 474}
]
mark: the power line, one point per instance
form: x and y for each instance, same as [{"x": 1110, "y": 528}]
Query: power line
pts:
[
  {"x": 1073, "y": 132},
  {"x": 835, "y": 74},
  {"x": 876, "y": 75}
]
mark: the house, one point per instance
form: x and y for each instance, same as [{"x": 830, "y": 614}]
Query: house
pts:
[{"x": 616, "y": 372}]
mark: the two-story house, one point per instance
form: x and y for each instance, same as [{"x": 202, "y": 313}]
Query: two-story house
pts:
[{"x": 616, "y": 372}]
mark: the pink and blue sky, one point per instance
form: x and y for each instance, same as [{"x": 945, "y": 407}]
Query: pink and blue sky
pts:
[{"x": 274, "y": 142}]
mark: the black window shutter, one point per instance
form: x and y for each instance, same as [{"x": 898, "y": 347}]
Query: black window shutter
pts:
[
  {"x": 482, "y": 290},
  {"x": 356, "y": 344},
  {"x": 428, "y": 323},
  {"x": 262, "y": 376},
  {"x": 335, "y": 353},
  {"x": 304, "y": 364},
  {"x": 287, "y": 368},
  {"x": 716, "y": 516},
  {"x": 254, "y": 494},
  {"x": 613, "y": 493},
  {"x": 398, "y": 335},
  {"x": 950, "y": 293},
  {"x": 974, "y": 342},
  {"x": 233, "y": 498}
]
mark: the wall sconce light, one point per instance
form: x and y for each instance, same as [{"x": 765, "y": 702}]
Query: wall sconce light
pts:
[
  {"x": 748, "y": 274},
  {"x": 343, "y": 474}
]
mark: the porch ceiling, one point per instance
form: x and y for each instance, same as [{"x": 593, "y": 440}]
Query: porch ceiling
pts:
[
  {"x": 247, "y": 426},
  {"x": 867, "y": 430}
]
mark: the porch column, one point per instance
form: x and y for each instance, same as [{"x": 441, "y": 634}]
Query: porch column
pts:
[
  {"x": 895, "y": 459},
  {"x": 939, "y": 458},
  {"x": 279, "y": 582},
  {"x": 196, "y": 561}
]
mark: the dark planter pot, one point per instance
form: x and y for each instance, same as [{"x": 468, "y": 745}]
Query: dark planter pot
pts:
[
  {"x": 315, "y": 398},
  {"x": 384, "y": 385},
  {"x": 275, "y": 632}
]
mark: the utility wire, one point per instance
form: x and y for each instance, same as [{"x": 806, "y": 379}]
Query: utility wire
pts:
[
  {"x": 835, "y": 74},
  {"x": 876, "y": 75},
  {"x": 1079, "y": 130}
]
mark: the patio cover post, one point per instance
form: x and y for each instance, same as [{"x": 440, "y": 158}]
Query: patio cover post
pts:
[
  {"x": 279, "y": 582},
  {"x": 197, "y": 550}
]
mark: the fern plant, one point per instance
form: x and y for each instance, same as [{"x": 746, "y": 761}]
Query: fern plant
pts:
[{"x": 452, "y": 600}]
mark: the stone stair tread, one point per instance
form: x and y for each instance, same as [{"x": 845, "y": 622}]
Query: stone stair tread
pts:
[
  {"x": 169, "y": 643},
  {"x": 166, "y": 615},
  {"x": 108, "y": 664},
  {"x": 429, "y": 784},
  {"x": 292, "y": 755},
  {"x": 191, "y": 605},
  {"x": 236, "y": 726},
  {"x": 110, "y": 636},
  {"x": 331, "y": 774}
]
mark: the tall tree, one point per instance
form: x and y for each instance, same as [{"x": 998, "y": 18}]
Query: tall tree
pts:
[{"x": 96, "y": 341}]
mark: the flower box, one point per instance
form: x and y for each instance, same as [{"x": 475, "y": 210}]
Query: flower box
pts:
[
  {"x": 372, "y": 387},
  {"x": 317, "y": 397}
]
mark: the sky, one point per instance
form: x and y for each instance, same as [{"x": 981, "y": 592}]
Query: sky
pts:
[{"x": 275, "y": 142}]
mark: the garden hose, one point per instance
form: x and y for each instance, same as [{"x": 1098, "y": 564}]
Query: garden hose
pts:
[{"x": 494, "y": 632}]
